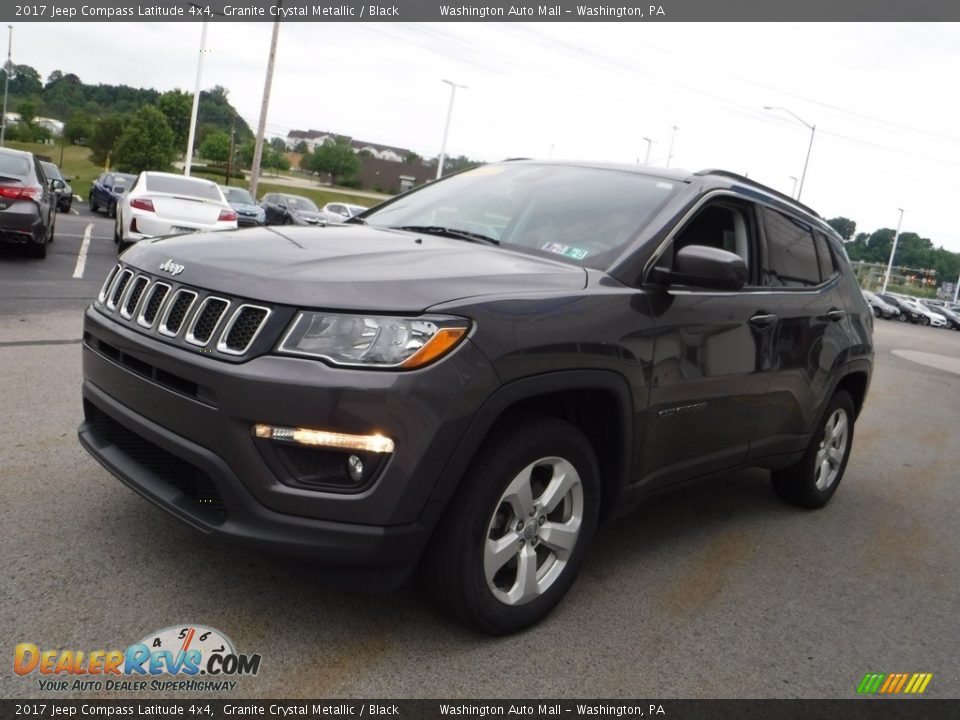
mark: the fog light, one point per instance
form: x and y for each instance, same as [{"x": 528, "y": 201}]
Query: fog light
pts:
[{"x": 355, "y": 468}]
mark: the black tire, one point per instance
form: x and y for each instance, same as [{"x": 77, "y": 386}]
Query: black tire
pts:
[
  {"x": 924, "y": 320},
  {"x": 876, "y": 312},
  {"x": 112, "y": 210},
  {"x": 116, "y": 233},
  {"x": 38, "y": 250},
  {"x": 902, "y": 317},
  {"x": 453, "y": 568},
  {"x": 798, "y": 484},
  {"x": 93, "y": 204}
]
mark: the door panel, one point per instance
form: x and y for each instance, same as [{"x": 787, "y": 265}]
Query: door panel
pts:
[{"x": 709, "y": 378}]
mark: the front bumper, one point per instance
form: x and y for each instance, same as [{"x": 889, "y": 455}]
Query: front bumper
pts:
[{"x": 195, "y": 456}]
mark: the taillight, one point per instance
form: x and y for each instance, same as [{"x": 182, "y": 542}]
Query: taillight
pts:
[
  {"x": 227, "y": 216},
  {"x": 142, "y": 204},
  {"x": 30, "y": 192}
]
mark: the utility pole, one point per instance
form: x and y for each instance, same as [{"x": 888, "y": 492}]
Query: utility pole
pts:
[
  {"x": 196, "y": 102},
  {"x": 7, "y": 71},
  {"x": 794, "y": 191},
  {"x": 813, "y": 131},
  {"x": 646, "y": 159},
  {"x": 262, "y": 125},
  {"x": 956, "y": 290},
  {"x": 672, "y": 136},
  {"x": 893, "y": 251},
  {"x": 233, "y": 130}
]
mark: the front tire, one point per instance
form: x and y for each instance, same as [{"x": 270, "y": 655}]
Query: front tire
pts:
[
  {"x": 812, "y": 481},
  {"x": 513, "y": 538},
  {"x": 112, "y": 210}
]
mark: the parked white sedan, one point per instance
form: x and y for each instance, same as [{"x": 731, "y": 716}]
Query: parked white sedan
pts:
[
  {"x": 340, "y": 212},
  {"x": 167, "y": 204}
]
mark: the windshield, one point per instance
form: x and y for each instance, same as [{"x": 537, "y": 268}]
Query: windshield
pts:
[
  {"x": 583, "y": 215},
  {"x": 238, "y": 195},
  {"x": 300, "y": 204},
  {"x": 15, "y": 165}
]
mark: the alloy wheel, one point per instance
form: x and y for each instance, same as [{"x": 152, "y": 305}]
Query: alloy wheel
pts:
[
  {"x": 833, "y": 448},
  {"x": 533, "y": 531}
]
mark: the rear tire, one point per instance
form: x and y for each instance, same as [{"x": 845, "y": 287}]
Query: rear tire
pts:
[
  {"x": 93, "y": 204},
  {"x": 38, "y": 250},
  {"x": 514, "y": 536},
  {"x": 112, "y": 210},
  {"x": 924, "y": 321},
  {"x": 812, "y": 481}
]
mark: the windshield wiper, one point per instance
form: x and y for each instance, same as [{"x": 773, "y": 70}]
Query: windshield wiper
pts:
[{"x": 449, "y": 232}]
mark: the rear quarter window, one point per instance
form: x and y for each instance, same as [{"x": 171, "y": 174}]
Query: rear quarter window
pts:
[
  {"x": 182, "y": 186},
  {"x": 791, "y": 254}
]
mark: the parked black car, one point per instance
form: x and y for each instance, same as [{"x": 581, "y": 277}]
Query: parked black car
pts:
[
  {"x": 950, "y": 315},
  {"x": 469, "y": 377},
  {"x": 28, "y": 212},
  {"x": 65, "y": 194},
  {"x": 881, "y": 308},
  {"x": 106, "y": 191},
  {"x": 907, "y": 311},
  {"x": 284, "y": 209}
]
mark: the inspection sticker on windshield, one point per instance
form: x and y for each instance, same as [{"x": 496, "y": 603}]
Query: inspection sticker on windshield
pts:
[{"x": 565, "y": 250}]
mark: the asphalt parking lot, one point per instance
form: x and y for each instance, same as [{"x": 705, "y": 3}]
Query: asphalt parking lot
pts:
[{"x": 714, "y": 591}]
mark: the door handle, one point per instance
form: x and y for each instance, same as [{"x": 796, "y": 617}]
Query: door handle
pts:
[
  {"x": 763, "y": 320},
  {"x": 833, "y": 315}
]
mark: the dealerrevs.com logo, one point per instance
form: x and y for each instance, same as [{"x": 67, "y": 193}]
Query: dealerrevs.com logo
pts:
[{"x": 183, "y": 657}]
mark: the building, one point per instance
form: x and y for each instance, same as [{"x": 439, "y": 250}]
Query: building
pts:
[{"x": 315, "y": 138}]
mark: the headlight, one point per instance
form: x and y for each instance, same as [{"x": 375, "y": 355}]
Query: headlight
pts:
[{"x": 372, "y": 341}]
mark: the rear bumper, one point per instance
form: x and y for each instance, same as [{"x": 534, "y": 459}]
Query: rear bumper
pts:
[{"x": 21, "y": 223}]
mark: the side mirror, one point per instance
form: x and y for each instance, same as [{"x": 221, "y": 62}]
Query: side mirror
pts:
[
  {"x": 709, "y": 267},
  {"x": 57, "y": 184}
]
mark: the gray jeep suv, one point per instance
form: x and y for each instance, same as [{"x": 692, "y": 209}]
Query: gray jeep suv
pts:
[{"x": 466, "y": 379}]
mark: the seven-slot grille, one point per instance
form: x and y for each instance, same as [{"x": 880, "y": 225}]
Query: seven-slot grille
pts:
[{"x": 182, "y": 313}]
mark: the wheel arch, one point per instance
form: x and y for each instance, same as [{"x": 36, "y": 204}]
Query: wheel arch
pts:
[{"x": 597, "y": 402}]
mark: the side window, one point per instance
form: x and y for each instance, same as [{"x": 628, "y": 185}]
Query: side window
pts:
[
  {"x": 791, "y": 254},
  {"x": 719, "y": 225},
  {"x": 828, "y": 266}
]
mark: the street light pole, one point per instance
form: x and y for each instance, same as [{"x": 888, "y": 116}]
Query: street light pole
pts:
[
  {"x": 7, "y": 69},
  {"x": 794, "y": 191},
  {"x": 196, "y": 102},
  {"x": 646, "y": 159},
  {"x": 673, "y": 135},
  {"x": 446, "y": 127},
  {"x": 813, "y": 130},
  {"x": 893, "y": 251}
]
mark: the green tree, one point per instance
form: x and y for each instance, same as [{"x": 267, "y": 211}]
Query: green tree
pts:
[
  {"x": 146, "y": 142},
  {"x": 78, "y": 127},
  {"x": 278, "y": 145},
  {"x": 301, "y": 147},
  {"x": 845, "y": 227},
  {"x": 104, "y": 138},
  {"x": 337, "y": 159},
  {"x": 216, "y": 146},
  {"x": 24, "y": 81},
  {"x": 413, "y": 158},
  {"x": 28, "y": 113},
  {"x": 176, "y": 107}
]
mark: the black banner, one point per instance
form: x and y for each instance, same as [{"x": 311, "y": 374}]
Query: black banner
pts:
[
  {"x": 863, "y": 709},
  {"x": 474, "y": 11}
]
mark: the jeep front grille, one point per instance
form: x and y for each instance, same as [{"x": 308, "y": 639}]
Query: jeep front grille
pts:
[
  {"x": 185, "y": 316},
  {"x": 242, "y": 329},
  {"x": 206, "y": 320}
]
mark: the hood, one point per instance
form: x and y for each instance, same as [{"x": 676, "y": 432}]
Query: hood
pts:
[{"x": 350, "y": 267}]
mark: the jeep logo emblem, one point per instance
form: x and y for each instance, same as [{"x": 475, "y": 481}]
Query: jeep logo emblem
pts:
[{"x": 171, "y": 267}]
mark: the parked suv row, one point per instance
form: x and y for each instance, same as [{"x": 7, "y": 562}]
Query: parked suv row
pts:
[{"x": 465, "y": 380}]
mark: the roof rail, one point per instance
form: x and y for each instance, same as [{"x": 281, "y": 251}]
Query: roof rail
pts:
[{"x": 747, "y": 181}]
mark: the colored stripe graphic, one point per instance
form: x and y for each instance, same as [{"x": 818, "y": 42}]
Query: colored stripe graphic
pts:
[{"x": 894, "y": 683}]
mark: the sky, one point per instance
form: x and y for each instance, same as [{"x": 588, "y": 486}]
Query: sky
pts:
[{"x": 883, "y": 96}]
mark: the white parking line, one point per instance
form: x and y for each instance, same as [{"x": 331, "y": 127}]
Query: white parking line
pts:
[
  {"x": 73, "y": 211},
  {"x": 82, "y": 257}
]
